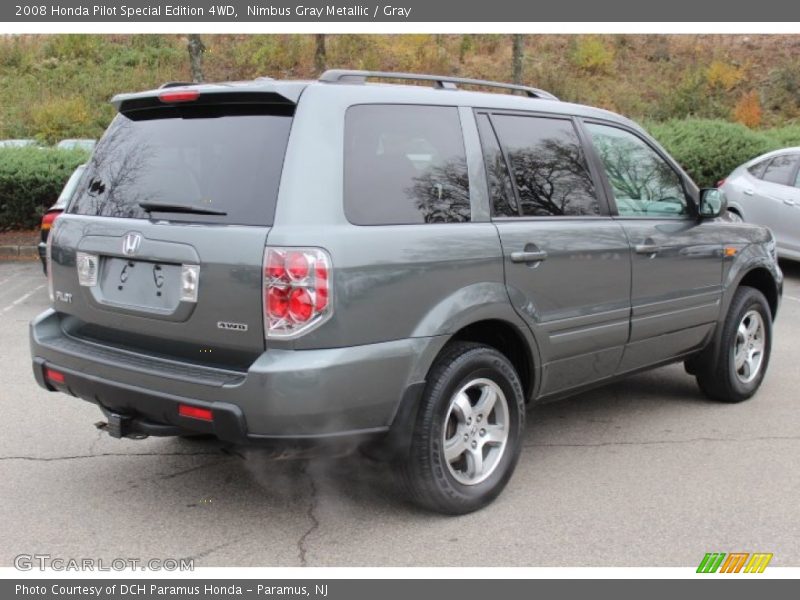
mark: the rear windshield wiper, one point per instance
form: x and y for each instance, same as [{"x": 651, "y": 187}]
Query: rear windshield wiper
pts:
[{"x": 180, "y": 208}]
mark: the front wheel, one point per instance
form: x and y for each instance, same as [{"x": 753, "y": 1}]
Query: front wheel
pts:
[
  {"x": 734, "y": 216},
  {"x": 468, "y": 433},
  {"x": 743, "y": 352}
]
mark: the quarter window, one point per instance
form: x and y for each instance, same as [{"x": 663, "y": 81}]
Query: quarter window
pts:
[
  {"x": 405, "y": 165},
  {"x": 643, "y": 183},
  {"x": 757, "y": 170},
  {"x": 548, "y": 165}
]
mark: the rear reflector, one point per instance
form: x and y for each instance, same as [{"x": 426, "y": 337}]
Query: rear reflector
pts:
[
  {"x": 194, "y": 412},
  {"x": 179, "y": 96},
  {"x": 54, "y": 376}
]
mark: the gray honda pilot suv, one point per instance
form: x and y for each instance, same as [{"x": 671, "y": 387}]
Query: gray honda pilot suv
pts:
[{"x": 405, "y": 267}]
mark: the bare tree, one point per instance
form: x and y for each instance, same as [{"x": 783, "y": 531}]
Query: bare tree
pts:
[
  {"x": 320, "y": 54},
  {"x": 518, "y": 55},
  {"x": 196, "y": 50}
]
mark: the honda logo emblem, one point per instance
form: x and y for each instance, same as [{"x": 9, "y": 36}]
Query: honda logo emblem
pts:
[{"x": 131, "y": 243}]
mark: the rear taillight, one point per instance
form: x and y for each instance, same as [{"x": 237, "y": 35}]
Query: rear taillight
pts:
[
  {"x": 297, "y": 296},
  {"x": 179, "y": 96},
  {"x": 720, "y": 183},
  {"x": 49, "y": 264},
  {"x": 48, "y": 218}
]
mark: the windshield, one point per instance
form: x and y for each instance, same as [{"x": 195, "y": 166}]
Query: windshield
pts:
[{"x": 212, "y": 157}]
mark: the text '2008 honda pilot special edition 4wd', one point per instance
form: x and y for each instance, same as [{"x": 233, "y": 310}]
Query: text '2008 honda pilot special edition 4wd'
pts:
[{"x": 401, "y": 265}]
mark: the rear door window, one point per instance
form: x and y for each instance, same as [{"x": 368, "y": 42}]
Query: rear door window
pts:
[
  {"x": 549, "y": 169},
  {"x": 781, "y": 169},
  {"x": 404, "y": 165},
  {"x": 222, "y": 158}
]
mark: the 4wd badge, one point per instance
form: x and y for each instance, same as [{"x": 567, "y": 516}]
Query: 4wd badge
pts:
[{"x": 232, "y": 326}]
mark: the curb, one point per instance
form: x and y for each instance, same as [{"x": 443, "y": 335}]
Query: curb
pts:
[{"x": 19, "y": 252}]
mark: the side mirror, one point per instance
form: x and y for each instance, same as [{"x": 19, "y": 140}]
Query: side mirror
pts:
[{"x": 712, "y": 203}]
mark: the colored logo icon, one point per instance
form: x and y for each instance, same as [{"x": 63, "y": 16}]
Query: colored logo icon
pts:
[{"x": 735, "y": 562}]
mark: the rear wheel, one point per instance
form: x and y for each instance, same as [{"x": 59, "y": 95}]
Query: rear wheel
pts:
[
  {"x": 743, "y": 353},
  {"x": 468, "y": 432}
]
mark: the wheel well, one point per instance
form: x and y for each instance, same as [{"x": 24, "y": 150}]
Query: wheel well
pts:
[
  {"x": 762, "y": 280},
  {"x": 505, "y": 338}
]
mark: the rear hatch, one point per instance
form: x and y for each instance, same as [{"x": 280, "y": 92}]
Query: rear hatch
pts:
[{"x": 160, "y": 249}]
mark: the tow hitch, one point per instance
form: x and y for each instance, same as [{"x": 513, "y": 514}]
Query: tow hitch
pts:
[
  {"x": 119, "y": 426},
  {"x": 134, "y": 426}
]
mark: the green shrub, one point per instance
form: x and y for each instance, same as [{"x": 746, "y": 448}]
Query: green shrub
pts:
[
  {"x": 710, "y": 149},
  {"x": 786, "y": 136},
  {"x": 30, "y": 181}
]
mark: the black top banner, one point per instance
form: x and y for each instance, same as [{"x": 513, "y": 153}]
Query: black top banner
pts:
[{"x": 465, "y": 11}]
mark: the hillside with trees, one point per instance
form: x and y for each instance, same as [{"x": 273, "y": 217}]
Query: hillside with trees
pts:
[
  {"x": 714, "y": 101},
  {"x": 56, "y": 86}
]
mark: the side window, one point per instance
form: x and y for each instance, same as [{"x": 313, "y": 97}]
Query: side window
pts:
[
  {"x": 644, "y": 184},
  {"x": 501, "y": 191},
  {"x": 404, "y": 165},
  {"x": 548, "y": 166},
  {"x": 780, "y": 169}
]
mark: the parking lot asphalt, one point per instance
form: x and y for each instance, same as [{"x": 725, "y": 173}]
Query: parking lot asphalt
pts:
[{"x": 645, "y": 472}]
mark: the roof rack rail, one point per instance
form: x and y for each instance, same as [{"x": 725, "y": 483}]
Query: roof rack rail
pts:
[
  {"x": 439, "y": 81},
  {"x": 170, "y": 84}
]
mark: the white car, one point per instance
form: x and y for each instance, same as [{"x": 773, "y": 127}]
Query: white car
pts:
[
  {"x": 766, "y": 191},
  {"x": 21, "y": 143},
  {"x": 72, "y": 144}
]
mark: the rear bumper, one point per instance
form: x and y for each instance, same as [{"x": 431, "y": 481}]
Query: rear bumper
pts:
[{"x": 284, "y": 395}]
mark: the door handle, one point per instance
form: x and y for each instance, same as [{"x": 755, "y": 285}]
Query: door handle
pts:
[
  {"x": 788, "y": 202},
  {"x": 749, "y": 192},
  {"x": 647, "y": 248},
  {"x": 528, "y": 256}
]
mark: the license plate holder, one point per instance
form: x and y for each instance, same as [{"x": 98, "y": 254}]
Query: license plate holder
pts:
[{"x": 140, "y": 284}]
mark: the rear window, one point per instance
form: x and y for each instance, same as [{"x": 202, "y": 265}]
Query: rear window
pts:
[
  {"x": 405, "y": 165},
  {"x": 217, "y": 158}
]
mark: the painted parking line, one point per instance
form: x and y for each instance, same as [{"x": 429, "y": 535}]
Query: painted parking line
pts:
[
  {"x": 22, "y": 298},
  {"x": 796, "y": 299}
]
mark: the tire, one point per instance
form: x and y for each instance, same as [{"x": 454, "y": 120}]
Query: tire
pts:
[
  {"x": 451, "y": 411},
  {"x": 734, "y": 370}
]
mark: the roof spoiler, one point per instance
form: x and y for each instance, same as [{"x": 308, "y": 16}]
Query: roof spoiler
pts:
[{"x": 198, "y": 94}]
